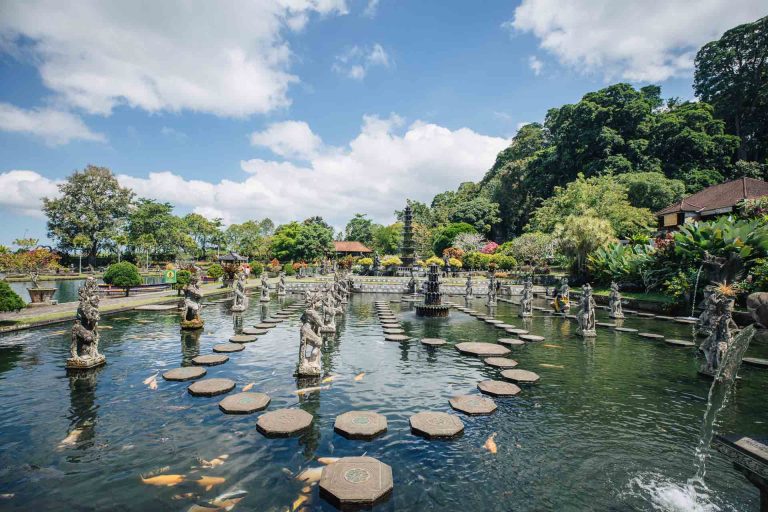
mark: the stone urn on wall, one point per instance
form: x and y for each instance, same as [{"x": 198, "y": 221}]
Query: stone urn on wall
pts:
[{"x": 40, "y": 296}]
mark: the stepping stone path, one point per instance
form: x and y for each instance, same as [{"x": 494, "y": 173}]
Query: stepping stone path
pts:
[
  {"x": 283, "y": 422},
  {"x": 156, "y": 307},
  {"x": 394, "y": 331},
  {"x": 244, "y": 403},
  {"x": 685, "y": 320},
  {"x": 511, "y": 342},
  {"x": 625, "y": 329},
  {"x": 605, "y": 324},
  {"x": 651, "y": 335},
  {"x": 498, "y": 388},
  {"x": 505, "y": 326},
  {"x": 357, "y": 482},
  {"x": 272, "y": 321},
  {"x": 264, "y": 325},
  {"x": 516, "y": 331},
  {"x": 360, "y": 424},
  {"x": 755, "y": 361},
  {"x": 434, "y": 342},
  {"x": 242, "y": 338},
  {"x": 184, "y": 373},
  {"x": 434, "y": 425},
  {"x": 500, "y": 362},
  {"x": 227, "y": 348},
  {"x": 680, "y": 343},
  {"x": 521, "y": 376},
  {"x": 210, "y": 360},
  {"x": 396, "y": 337},
  {"x": 662, "y": 317},
  {"x": 531, "y": 337},
  {"x": 493, "y": 321},
  {"x": 646, "y": 315},
  {"x": 481, "y": 349},
  {"x": 211, "y": 387},
  {"x": 252, "y": 331},
  {"x": 473, "y": 405}
]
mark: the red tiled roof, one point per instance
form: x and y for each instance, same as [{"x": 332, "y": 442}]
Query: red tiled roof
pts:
[
  {"x": 350, "y": 247},
  {"x": 719, "y": 196}
]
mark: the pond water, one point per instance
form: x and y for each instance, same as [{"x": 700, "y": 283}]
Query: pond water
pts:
[
  {"x": 66, "y": 289},
  {"x": 610, "y": 421}
]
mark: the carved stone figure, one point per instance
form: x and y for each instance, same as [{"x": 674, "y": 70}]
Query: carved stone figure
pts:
[
  {"x": 614, "y": 301},
  {"x": 193, "y": 297},
  {"x": 84, "y": 349},
  {"x": 491, "y": 288},
  {"x": 264, "y": 288},
  {"x": 281, "y": 285},
  {"x": 526, "y": 299},
  {"x": 413, "y": 283},
  {"x": 376, "y": 263},
  {"x": 329, "y": 311},
  {"x": 565, "y": 296},
  {"x": 720, "y": 325},
  {"x": 310, "y": 344},
  {"x": 586, "y": 314},
  {"x": 240, "y": 302},
  {"x": 468, "y": 287},
  {"x": 703, "y": 326}
]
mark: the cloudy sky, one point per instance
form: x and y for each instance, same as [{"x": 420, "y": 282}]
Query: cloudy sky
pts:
[{"x": 293, "y": 108}]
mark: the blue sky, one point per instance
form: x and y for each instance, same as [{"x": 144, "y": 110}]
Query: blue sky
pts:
[{"x": 293, "y": 108}]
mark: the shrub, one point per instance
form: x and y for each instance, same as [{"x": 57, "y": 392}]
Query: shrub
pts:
[
  {"x": 274, "y": 265},
  {"x": 444, "y": 236},
  {"x": 503, "y": 262},
  {"x": 256, "y": 268},
  {"x": 477, "y": 260},
  {"x": 391, "y": 261},
  {"x": 617, "y": 262},
  {"x": 489, "y": 248},
  {"x": 215, "y": 271},
  {"x": 454, "y": 252},
  {"x": 9, "y": 300},
  {"x": 123, "y": 274},
  {"x": 366, "y": 262},
  {"x": 434, "y": 260},
  {"x": 182, "y": 280},
  {"x": 288, "y": 269},
  {"x": 455, "y": 263}
]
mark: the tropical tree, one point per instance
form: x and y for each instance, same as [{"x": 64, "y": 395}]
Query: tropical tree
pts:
[
  {"x": 146, "y": 243},
  {"x": 92, "y": 203},
  {"x": 533, "y": 248},
  {"x": 580, "y": 235},
  {"x": 444, "y": 236},
  {"x": 386, "y": 239},
  {"x": 651, "y": 190},
  {"x": 202, "y": 230},
  {"x": 359, "y": 229},
  {"x": 81, "y": 242}
]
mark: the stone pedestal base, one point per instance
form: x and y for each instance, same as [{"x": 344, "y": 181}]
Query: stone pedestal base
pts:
[
  {"x": 238, "y": 309},
  {"x": 264, "y": 299},
  {"x": 525, "y": 314},
  {"x": 85, "y": 363},
  {"x": 435, "y": 310},
  {"x": 308, "y": 370},
  {"x": 327, "y": 329},
  {"x": 191, "y": 325},
  {"x": 611, "y": 315},
  {"x": 40, "y": 296},
  {"x": 589, "y": 333}
]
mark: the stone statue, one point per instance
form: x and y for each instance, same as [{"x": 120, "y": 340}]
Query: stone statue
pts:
[
  {"x": 193, "y": 298},
  {"x": 264, "y": 288},
  {"x": 84, "y": 349},
  {"x": 446, "y": 265},
  {"x": 526, "y": 299},
  {"x": 720, "y": 325},
  {"x": 565, "y": 296},
  {"x": 281, "y": 285},
  {"x": 586, "y": 314},
  {"x": 468, "y": 287},
  {"x": 310, "y": 344},
  {"x": 491, "y": 288},
  {"x": 240, "y": 302},
  {"x": 757, "y": 304},
  {"x": 376, "y": 263},
  {"x": 614, "y": 301},
  {"x": 329, "y": 312},
  {"x": 703, "y": 327},
  {"x": 413, "y": 284}
]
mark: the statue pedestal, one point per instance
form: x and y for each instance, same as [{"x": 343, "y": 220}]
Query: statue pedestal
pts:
[
  {"x": 611, "y": 315},
  {"x": 589, "y": 333},
  {"x": 40, "y": 296},
  {"x": 238, "y": 309},
  {"x": 750, "y": 457},
  {"x": 327, "y": 329},
  {"x": 525, "y": 315},
  {"x": 82, "y": 363},
  {"x": 191, "y": 325}
]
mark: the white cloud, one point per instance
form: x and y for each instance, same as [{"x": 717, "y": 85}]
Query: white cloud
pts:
[
  {"x": 535, "y": 64},
  {"x": 374, "y": 173},
  {"x": 173, "y": 133},
  {"x": 356, "y": 61},
  {"x": 55, "y": 127},
  {"x": 371, "y": 8},
  {"x": 650, "y": 40},
  {"x": 226, "y": 58},
  {"x": 290, "y": 139}
]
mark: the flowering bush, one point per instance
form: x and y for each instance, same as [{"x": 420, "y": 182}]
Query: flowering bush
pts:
[
  {"x": 434, "y": 260},
  {"x": 455, "y": 263},
  {"x": 489, "y": 248},
  {"x": 297, "y": 266},
  {"x": 391, "y": 261},
  {"x": 256, "y": 268},
  {"x": 366, "y": 262},
  {"x": 454, "y": 252},
  {"x": 274, "y": 265}
]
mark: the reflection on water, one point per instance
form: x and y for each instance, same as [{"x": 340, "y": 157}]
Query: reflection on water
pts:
[
  {"x": 66, "y": 290},
  {"x": 607, "y": 418}
]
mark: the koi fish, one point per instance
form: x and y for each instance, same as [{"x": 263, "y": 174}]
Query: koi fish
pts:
[
  {"x": 299, "y": 502},
  {"x": 328, "y": 379},
  {"x": 223, "y": 503},
  {"x": 550, "y": 345},
  {"x": 218, "y": 461},
  {"x": 547, "y": 365},
  {"x": 248, "y": 387},
  {"x": 163, "y": 480},
  {"x": 184, "y": 496},
  {"x": 71, "y": 439},
  {"x": 153, "y": 384},
  {"x": 490, "y": 444},
  {"x": 150, "y": 379},
  {"x": 312, "y": 389},
  {"x": 101, "y": 327},
  {"x": 327, "y": 460},
  {"x": 310, "y": 475},
  {"x": 359, "y": 376}
]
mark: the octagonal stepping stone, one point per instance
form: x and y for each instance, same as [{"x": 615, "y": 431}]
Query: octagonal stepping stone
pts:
[
  {"x": 356, "y": 482},
  {"x": 630, "y": 311},
  {"x": 531, "y": 337},
  {"x": 227, "y": 348},
  {"x": 521, "y": 376},
  {"x": 625, "y": 329},
  {"x": 605, "y": 324},
  {"x": 393, "y": 331},
  {"x": 646, "y": 315},
  {"x": 264, "y": 325},
  {"x": 184, "y": 373},
  {"x": 396, "y": 337},
  {"x": 571, "y": 317},
  {"x": 473, "y": 405},
  {"x": 498, "y": 388},
  {"x": 650, "y": 335},
  {"x": 433, "y": 342},
  {"x": 391, "y": 325},
  {"x": 283, "y": 422},
  {"x": 755, "y": 361},
  {"x": 493, "y": 321},
  {"x": 476, "y": 348},
  {"x": 680, "y": 343},
  {"x": 511, "y": 342},
  {"x": 664, "y": 317},
  {"x": 360, "y": 424},
  {"x": 516, "y": 331},
  {"x": 505, "y": 326},
  {"x": 210, "y": 360},
  {"x": 686, "y": 320},
  {"x": 243, "y": 338},
  {"x": 500, "y": 362},
  {"x": 272, "y": 321},
  {"x": 244, "y": 403},
  {"x": 211, "y": 387},
  {"x": 253, "y": 331},
  {"x": 388, "y": 320},
  {"x": 435, "y": 425}
]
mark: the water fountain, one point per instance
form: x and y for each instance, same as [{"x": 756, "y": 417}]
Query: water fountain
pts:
[{"x": 433, "y": 304}]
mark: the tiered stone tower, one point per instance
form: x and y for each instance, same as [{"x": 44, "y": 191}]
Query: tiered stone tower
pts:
[
  {"x": 408, "y": 248},
  {"x": 433, "y": 302}
]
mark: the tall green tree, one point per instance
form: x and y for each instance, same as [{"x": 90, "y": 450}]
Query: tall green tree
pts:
[
  {"x": 387, "y": 239},
  {"x": 247, "y": 239},
  {"x": 731, "y": 74},
  {"x": 651, "y": 190},
  {"x": 359, "y": 229},
  {"x": 92, "y": 203},
  {"x": 202, "y": 230},
  {"x": 150, "y": 218}
]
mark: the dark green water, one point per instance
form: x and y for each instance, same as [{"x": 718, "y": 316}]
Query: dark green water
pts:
[
  {"x": 620, "y": 419},
  {"x": 66, "y": 289}
]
